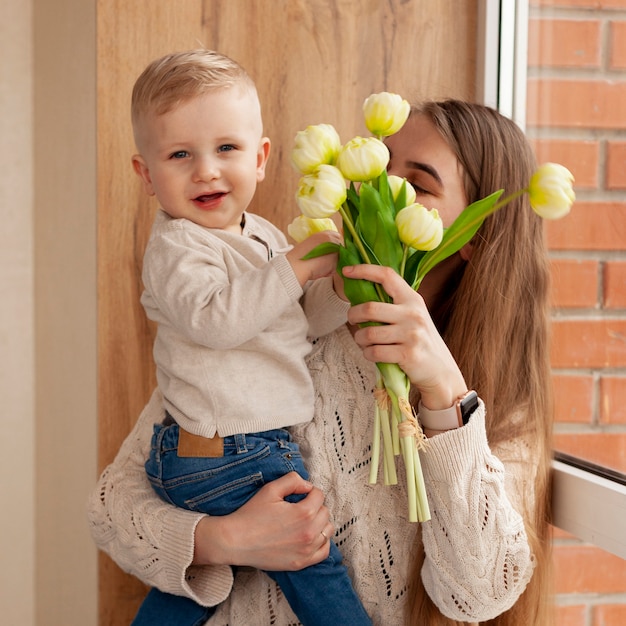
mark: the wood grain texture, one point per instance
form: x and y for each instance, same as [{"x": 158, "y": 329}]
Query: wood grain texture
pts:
[{"x": 313, "y": 61}]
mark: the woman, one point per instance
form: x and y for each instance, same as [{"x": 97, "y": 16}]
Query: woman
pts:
[{"x": 479, "y": 322}]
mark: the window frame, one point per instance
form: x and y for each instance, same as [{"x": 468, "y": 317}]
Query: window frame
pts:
[{"x": 588, "y": 501}]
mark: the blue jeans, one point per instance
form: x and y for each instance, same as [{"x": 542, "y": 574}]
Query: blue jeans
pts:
[
  {"x": 164, "y": 609},
  {"x": 320, "y": 594}
]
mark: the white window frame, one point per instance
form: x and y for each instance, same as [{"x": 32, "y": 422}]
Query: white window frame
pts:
[
  {"x": 585, "y": 503},
  {"x": 502, "y": 56}
]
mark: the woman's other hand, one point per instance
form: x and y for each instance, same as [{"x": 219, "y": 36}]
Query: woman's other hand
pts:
[{"x": 267, "y": 532}]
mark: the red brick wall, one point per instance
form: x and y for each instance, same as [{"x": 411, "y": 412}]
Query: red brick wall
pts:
[{"x": 577, "y": 116}]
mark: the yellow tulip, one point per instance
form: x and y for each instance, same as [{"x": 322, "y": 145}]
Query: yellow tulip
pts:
[
  {"x": 385, "y": 113},
  {"x": 314, "y": 146},
  {"x": 303, "y": 227},
  {"x": 550, "y": 191},
  {"x": 363, "y": 159},
  {"x": 321, "y": 194},
  {"x": 419, "y": 228},
  {"x": 395, "y": 184}
]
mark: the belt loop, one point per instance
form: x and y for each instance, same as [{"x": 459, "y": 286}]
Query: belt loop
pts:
[
  {"x": 240, "y": 442},
  {"x": 160, "y": 431}
]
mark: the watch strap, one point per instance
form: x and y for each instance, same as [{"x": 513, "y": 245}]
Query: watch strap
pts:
[{"x": 453, "y": 417}]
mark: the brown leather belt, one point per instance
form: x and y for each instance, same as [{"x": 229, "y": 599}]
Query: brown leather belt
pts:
[{"x": 190, "y": 445}]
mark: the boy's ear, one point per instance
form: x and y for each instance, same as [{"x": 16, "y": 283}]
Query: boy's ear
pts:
[
  {"x": 141, "y": 169},
  {"x": 262, "y": 157}
]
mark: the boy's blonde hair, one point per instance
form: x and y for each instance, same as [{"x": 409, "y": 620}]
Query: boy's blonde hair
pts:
[{"x": 181, "y": 76}]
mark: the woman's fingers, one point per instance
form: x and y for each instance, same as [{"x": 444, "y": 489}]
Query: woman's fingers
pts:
[
  {"x": 394, "y": 285},
  {"x": 268, "y": 532}
]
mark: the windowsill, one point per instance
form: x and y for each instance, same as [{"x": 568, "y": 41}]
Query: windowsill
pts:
[{"x": 589, "y": 504}]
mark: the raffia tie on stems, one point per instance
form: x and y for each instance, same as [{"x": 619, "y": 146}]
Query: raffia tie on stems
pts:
[
  {"x": 412, "y": 439},
  {"x": 410, "y": 427}
]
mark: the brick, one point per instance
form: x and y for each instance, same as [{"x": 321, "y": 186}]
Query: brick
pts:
[
  {"x": 564, "y": 43},
  {"x": 560, "y": 534},
  {"x": 616, "y": 164},
  {"x": 591, "y": 343},
  {"x": 586, "y": 569},
  {"x": 571, "y": 615},
  {"x": 579, "y": 157},
  {"x": 573, "y": 398},
  {"x": 617, "y": 54},
  {"x": 576, "y": 103},
  {"x": 613, "y": 400},
  {"x": 590, "y": 226},
  {"x": 574, "y": 283},
  {"x": 609, "y": 615},
  {"x": 606, "y": 449},
  {"x": 614, "y": 284}
]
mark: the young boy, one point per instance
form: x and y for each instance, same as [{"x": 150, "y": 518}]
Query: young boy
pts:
[{"x": 234, "y": 307}]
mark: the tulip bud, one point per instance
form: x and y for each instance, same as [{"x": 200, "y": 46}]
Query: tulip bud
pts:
[
  {"x": 395, "y": 184},
  {"x": 385, "y": 113},
  {"x": 321, "y": 194},
  {"x": 550, "y": 190},
  {"x": 314, "y": 146},
  {"x": 363, "y": 159},
  {"x": 419, "y": 228},
  {"x": 303, "y": 227}
]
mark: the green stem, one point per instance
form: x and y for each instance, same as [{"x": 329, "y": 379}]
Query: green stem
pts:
[
  {"x": 347, "y": 220},
  {"x": 423, "y": 510},
  {"x": 389, "y": 463},
  {"x": 411, "y": 486},
  {"x": 405, "y": 256},
  {"x": 375, "y": 447}
]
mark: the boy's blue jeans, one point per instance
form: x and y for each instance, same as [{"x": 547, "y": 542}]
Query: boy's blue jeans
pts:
[
  {"x": 320, "y": 594},
  {"x": 164, "y": 609}
]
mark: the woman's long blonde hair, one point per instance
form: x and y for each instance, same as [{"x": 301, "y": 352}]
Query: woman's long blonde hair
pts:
[{"x": 495, "y": 323}]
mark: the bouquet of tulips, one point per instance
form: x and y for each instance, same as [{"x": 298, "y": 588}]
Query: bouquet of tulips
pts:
[{"x": 383, "y": 224}]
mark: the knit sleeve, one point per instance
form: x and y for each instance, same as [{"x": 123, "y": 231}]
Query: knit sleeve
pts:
[
  {"x": 324, "y": 309},
  {"x": 478, "y": 559},
  {"x": 146, "y": 537}
]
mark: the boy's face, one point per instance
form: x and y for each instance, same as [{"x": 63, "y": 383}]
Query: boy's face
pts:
[{"x": 204, "y": 158}]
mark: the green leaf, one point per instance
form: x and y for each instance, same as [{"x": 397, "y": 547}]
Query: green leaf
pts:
[
  {"x": 357, "y": 291},
  {"x": 370, "y": 206},
  {"x": 457, "y": 235},
  {"x": 377, "y": 228},
  {"x": 400, "y": 202},
  {"x": 323, "y": 248},
  {"x": 385, "y": 193},
  {"x": 387, "y": 246},
  {"x": 353, "y": 202}
]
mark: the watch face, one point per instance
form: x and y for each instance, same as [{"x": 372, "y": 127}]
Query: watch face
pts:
[{"x": 468, "y": 405}]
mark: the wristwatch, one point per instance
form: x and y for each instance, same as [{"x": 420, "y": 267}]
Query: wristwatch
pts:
[{"x": 447, "y": 419}]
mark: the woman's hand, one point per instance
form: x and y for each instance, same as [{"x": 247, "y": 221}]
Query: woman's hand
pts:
[
  {"x": 267, "y": 532},
  {"x": 407, "y": 336}
]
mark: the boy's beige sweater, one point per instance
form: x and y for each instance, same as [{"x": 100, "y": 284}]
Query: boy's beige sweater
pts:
[{"x": 233, "y": 326}]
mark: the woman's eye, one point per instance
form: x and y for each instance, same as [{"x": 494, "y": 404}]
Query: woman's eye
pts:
[
  {"x": 418, "y": 190},
  {"x": 179, "y": 154}
]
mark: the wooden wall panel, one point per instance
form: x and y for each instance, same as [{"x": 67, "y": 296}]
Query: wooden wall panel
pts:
[{"x": 313, "y": 61}]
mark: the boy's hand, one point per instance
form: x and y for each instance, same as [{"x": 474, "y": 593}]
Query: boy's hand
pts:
[{"x": 313, "y": 268}]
